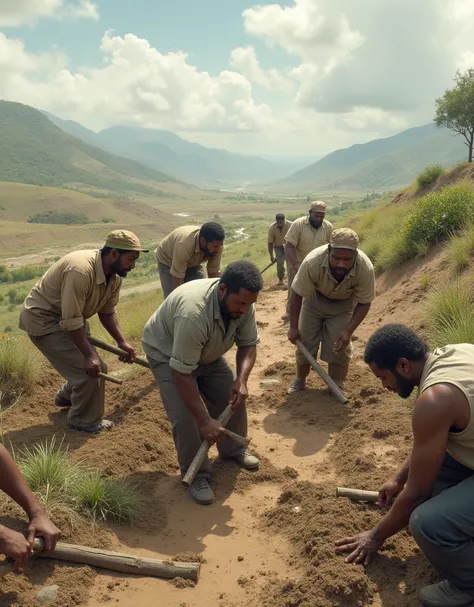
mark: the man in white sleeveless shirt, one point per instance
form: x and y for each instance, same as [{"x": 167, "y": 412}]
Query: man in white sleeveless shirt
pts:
[{"x": 436, "y": 483}]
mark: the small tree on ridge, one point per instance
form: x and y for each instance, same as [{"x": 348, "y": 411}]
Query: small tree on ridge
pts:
[{"x": 455, "y": 109}]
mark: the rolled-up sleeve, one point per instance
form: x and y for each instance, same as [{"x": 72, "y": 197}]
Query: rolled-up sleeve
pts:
[
  {"x": 214, "y": 263},
  {"x": 188, "y": 342},
  {"x": 74, "y": 288},
  {"x": 303, "y": 284},
  {"x": 364, "y": 291},
  {"x": 110, "y": 305},
  {"x": 293, "y": 234},
  {"x": 247, "y": 332},
  {"x": 270, "y": 235},
  {"x": 181, "y": 256}
]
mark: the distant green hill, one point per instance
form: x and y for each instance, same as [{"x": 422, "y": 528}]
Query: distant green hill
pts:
[
  {"x": 35, "y": 151},
  {"x": 381, "y": 164}
]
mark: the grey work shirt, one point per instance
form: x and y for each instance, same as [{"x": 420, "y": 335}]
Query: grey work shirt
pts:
[{"x": 188, "y": 330}]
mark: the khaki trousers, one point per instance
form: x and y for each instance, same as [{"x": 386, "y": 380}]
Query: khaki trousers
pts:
[
  {"x": 87, "y": 394},
  {"x": 321, "y": 322},
  {"x": 291, "y": 277},
  {"x": 166, "y": 280},
  {"x": 280, "y": 259},
  {"x": 214, "y": 382}
]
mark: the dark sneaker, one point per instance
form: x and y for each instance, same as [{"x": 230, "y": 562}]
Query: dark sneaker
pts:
[
  {"x": 62, "y": 402},
  {"x": 247, "y": 461},
  {"x": 445, "y": 594},
  {"x": 296, "y": 386},
  {"x": 201, "y": 492},
  {"x": 104, "y": 424}
]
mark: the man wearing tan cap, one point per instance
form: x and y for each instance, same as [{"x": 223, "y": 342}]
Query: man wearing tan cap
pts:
[
  {"x": 305, "y": 235},
  {"x": 331, "y": 295},
  {"x": 180, "y": 255},
  {"x": 55, "y": 313},
  {"x": 276, "y": 240}
]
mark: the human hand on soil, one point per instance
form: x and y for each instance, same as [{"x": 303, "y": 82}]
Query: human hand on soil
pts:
[
  {"x": 387, "y": 493},
  {"x": 15, "y": 546},
  {"x": 124, "y": 345},
  {"x": 362, "y": 547},
  {"x": 212, "y": 430},
  {"x": 341, "y": 343},
  {"x": 92, "y": 365},
  {"x": 238, "y": 394},
  {"x": 41, "y": 526},
  {"x": 293, "y": 335}
]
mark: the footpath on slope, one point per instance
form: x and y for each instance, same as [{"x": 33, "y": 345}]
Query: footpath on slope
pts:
[{"x": 268, "y": 538}]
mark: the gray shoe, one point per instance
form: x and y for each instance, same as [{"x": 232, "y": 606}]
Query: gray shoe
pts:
[
  {"x": 286, "y": 317},
  {"x": 296, "y": 386},
  {"x": 247, "y": 461},
  {"x": 445, "y": 594},
  {"x": 201, "y": 491}
]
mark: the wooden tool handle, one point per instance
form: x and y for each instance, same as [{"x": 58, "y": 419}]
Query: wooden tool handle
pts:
[
  {"x": 338, "y": 393},
  {"x": 111, "y": 379},
  {"x": 240, "y": 440},
  {"x": 357, "y": 494},
  {"x": 269, "y": 266},
  {"x": 115, "y": 350},
  {"x": 203, "y": 449}
]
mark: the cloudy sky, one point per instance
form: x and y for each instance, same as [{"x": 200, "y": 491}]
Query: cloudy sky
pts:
[{"x": 295, "y": 77}]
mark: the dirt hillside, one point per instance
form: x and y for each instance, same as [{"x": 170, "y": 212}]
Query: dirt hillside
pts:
[{"x": 268, "y": 538}]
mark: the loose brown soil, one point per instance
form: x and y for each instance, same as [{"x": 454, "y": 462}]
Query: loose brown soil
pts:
[{"x": 268, "y": 539}]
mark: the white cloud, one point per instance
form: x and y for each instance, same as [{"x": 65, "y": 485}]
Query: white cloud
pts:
[
  {"x": 244, "y": 60},
  {"x": 14, "y": 13}
]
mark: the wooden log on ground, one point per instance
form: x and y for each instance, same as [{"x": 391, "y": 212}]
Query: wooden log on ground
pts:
[
  {"x": 338, "y": 393},
  {"x": 113, "y": 561},
  {"x": 115, "y": 350},
  {"x": 357, "y": 494},
  {"x": 203, "y": 449},
  {"x": 111, "y": 379}
]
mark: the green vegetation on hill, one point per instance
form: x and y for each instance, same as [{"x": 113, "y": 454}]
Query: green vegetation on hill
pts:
[{"x": 33, "y": 150}]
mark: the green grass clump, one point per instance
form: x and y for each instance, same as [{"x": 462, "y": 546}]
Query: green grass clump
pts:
[
  {"x": 460, "y": 249},
  {"x": 449, "y": 314},
  {"x": 429, "y": 175},
  {"x": 20, "y": 366}
]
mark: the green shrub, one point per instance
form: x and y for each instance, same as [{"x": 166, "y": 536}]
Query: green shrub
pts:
[
  {"x": 429, "y": 175},
  {"x": 59, "y": 217},
  {"x": 460, "y": 249},
  {"x": 449, "y": 314},
  {"x": 20, "y": 366},
  {"x": 437, "y": 216}
]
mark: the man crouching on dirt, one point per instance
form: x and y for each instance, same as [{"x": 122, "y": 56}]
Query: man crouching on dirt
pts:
[
  {"x": 185, "y": 341},
  {"x": 437, "y": 480},
  {"x": 333, "y": 291},
  {"x": 14, "y": 545},
  {"x": 54, "y": 315}
]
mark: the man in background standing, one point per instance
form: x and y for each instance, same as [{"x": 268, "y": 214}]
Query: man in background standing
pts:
[
  {"x": 305, "y": 234},
  {"x": 276, "y": 241},
  {"x": 180, "y": 255}
]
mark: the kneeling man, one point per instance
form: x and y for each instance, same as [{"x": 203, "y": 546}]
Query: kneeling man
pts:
[{"x": 185, "y": 341}]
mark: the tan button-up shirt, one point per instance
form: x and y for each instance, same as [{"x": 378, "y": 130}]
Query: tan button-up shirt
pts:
[
  {"x": 315, "y": 275},
  {"x": 187, "y": 329},
  {"x": 180, "y": 250},
  {"x": 305, "y": 238},
  {"x": 71, "y": 291},
  {"x": 276, "y": 236}
]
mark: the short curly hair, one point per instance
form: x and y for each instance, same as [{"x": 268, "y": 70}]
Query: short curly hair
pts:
[
  {"x": 392, "y": 342},
  {"x": 212, "y": 232},
  {"x": 242, "y": 275}
]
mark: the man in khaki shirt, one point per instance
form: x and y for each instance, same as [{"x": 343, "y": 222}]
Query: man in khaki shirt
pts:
[
  {"x": 331, "y": 295},
  {"x": 180, "y": 254},
  {"x": 276, "y": 241},
  {"x": 305, "y": 235},
  {"x": 55, "y": 315},
  {"x": 185, "y": 341}
]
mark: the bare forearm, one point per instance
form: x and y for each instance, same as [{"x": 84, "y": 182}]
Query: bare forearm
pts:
[
  {"x": 213, "y": 274},
  {"x": 245, "y": 361},
  {"x": 270, "y": 249},
  {"x": 360, "y": 312},
  {"x": 189, "y": 394},
  {"x": 290, "y": 252},
  {"x": 296, "y": 301},
  {"x": 13, "y": 484},
  {"x": 401, "y": 475},
  {"x": 79, "y": 337},
  {"x": 176, "y": 282},
  {"x": 110, "y": 324},
  {"x": 398, "y": 516}
]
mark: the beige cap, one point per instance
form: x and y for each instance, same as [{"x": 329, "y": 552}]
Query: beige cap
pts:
[
  {"x": 344, "y": 238},
  {"x": 318, "y": 205},
  {"x": 124, "y": 240}
]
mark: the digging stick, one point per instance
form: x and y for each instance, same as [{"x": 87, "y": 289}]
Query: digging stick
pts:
[
  {"x": 269, "y": 266},
  {"x": 114, "y": 350},
  {"x": 338, "y": 393},
  {"x": 240, "y": 440},
  {"x": 113, "y": 380},
  {"x": 203, "y": 449},
  {"x": 357, "y": 494},
  {"x": 114, "y": 561}
]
